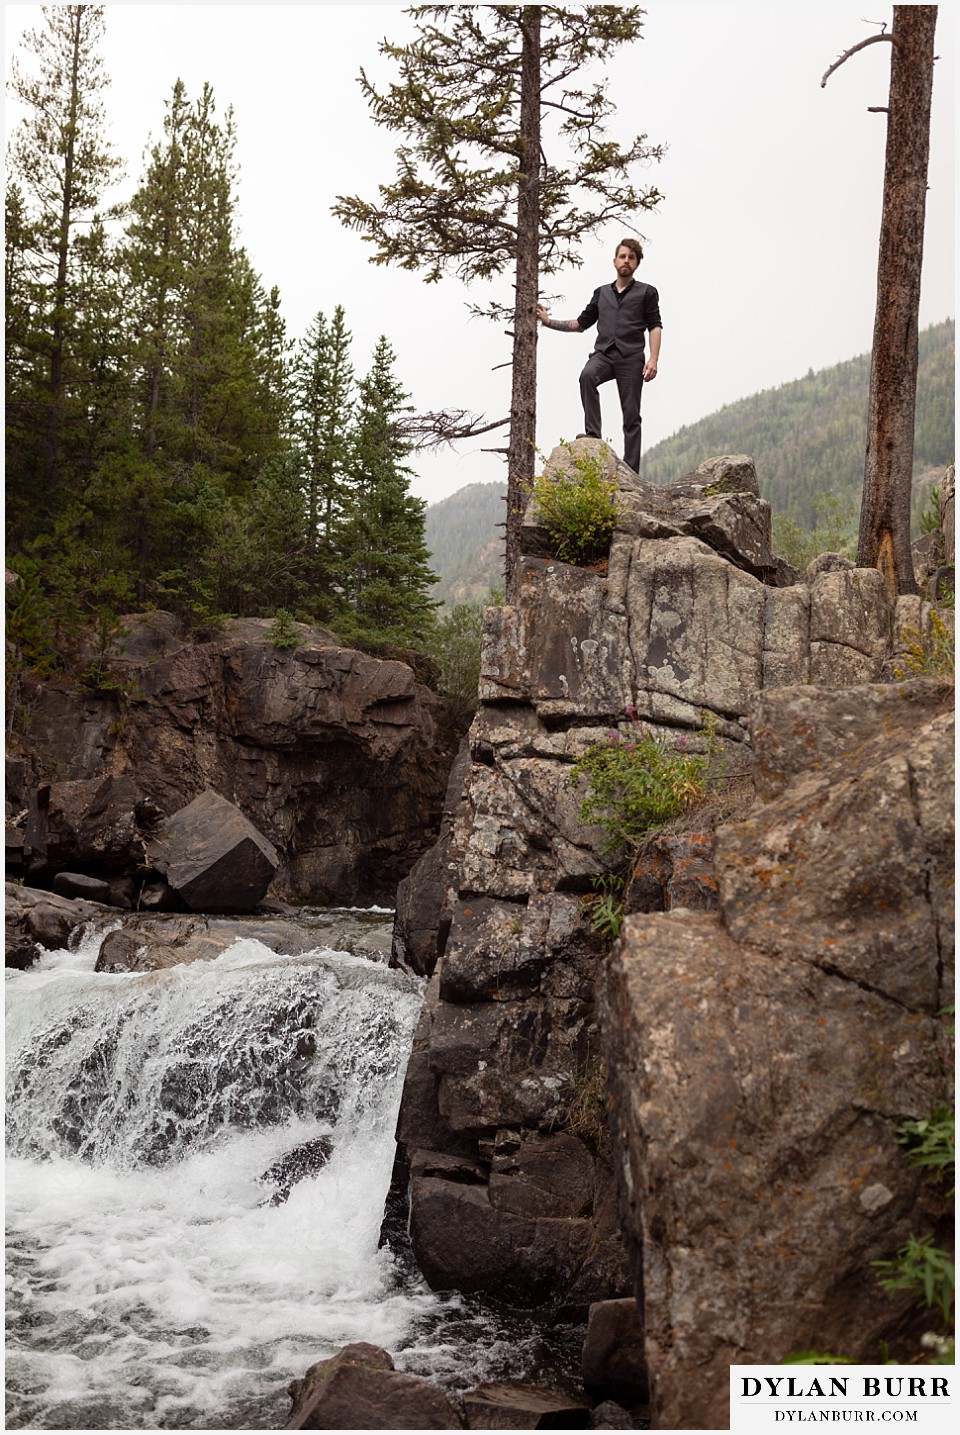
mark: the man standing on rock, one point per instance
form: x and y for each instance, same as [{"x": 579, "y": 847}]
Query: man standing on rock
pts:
[{"x": 623, "y": 311}]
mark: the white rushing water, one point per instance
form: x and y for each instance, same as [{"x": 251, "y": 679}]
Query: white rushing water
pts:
[{"x": 151, "y": 1283}]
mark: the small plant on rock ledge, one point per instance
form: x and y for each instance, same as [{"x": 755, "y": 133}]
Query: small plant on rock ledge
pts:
[
  {"x": 586, "y": 1115},
  {"x": 283, "y": 632},
  {"x": 637, "y": 782},
  {"x": 579, "y": 512},
  {"x": 928, "y": 654}
]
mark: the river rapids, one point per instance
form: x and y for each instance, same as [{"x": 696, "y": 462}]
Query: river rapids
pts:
[{"x": 159, "y": 1276}]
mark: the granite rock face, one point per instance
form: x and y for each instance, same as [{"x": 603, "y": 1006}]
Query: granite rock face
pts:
[
  {"x": 332, "y": 755},
  {"x": 762, "y": 1057},
  {"x": 688, "y": 624}
]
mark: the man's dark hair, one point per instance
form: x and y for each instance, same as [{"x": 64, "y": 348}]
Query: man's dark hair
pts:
[{"x": 633, "y": 245}]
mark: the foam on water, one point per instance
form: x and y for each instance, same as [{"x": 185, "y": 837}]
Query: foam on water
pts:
[{"x": 151, "y": 1284}]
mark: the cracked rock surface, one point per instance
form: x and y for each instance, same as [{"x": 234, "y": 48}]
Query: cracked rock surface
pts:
[
  {"x": 761, "y": 1057},
  {"x": 689, "y": 619}
]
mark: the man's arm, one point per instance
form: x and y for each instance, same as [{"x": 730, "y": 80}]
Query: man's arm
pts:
[
  {"x": 650, "y": 367},
  {"x": 570, "y": 326}
]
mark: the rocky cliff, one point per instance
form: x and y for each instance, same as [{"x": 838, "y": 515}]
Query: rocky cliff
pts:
[
  {"x": 762, "y": 1057},
  {"x": 334, "y": 756},
  {"x": 510, "y": 1173}
]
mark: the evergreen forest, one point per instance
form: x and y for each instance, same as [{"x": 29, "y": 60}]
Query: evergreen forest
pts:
[{"x": 168, "y": 444}]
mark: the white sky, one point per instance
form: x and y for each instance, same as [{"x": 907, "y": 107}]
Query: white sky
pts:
[{"x": 763, "y": 250}]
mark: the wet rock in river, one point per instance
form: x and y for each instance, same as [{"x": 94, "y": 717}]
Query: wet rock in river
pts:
[
  {"x": 304, "y": 1160},
  {"x": 513, "y": 1405},
  {"x": 359, "y": 1389}
]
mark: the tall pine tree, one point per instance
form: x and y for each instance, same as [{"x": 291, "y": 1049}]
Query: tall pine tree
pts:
[
  {"x": 210, "y": 358},
  {"x": 62, "y": 166},
  {"x": 323, "y": 387},
  {"x": 382, "y": 556}
]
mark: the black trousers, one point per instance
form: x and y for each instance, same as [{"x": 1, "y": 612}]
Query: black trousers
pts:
[{"x": 628, "y": 372}]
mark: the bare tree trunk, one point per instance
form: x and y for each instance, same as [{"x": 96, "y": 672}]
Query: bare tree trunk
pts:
[
  {"x": 523, "y": 401},
  {"x": 888, "y": 470}
]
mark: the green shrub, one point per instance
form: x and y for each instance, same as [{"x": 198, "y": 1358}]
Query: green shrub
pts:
[
  {"x": 834, "y": 533},
  {"x": 637, "y": 783},
  {"x": 928, "y": 654},
  {"x": 454, "y": 644},
  {"x": 579, "y": 511},
  {"x": 921, "y": 1267},
  {"x": 931, "y": 1141},
  {"x": 930, "y": 516}
]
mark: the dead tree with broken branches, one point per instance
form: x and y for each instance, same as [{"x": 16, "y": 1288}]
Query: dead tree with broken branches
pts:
[{"x": 884, "y": 541}]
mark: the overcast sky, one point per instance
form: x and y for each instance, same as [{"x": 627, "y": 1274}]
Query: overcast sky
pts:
[{"x": 763, "y": 249}]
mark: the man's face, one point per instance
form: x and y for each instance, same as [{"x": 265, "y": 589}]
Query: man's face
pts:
[{"x": 625, "y": 263}]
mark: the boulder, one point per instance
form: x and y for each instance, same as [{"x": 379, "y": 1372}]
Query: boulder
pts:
[
  {"x": 614, "y": 1364},
  {"x": 77, "y": 884},
  {"x": 826, "y": 563},
  {"x": 608, "y": 1415},
  {"x": 144, "y": 943},
  {"x": 122, "y": 952},
  {"x": 303, "y": 1161},
  {"x": 359, "y": 1389},
  {"x": 34, "y": 917},
  {"x": 512, "y": 1405},
  {"x": 213, "y": 857}
]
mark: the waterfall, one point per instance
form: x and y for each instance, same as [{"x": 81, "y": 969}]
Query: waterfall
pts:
[{"x": 163, "y": 1272}]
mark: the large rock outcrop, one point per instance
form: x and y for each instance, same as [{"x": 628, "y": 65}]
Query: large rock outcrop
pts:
[
  {"x": 688, "y": 625},
  {"x": 334, "y": 756},
  {"x": 761, "y": 1058}
]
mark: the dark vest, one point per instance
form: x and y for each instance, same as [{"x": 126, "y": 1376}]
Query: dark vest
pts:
[{"x": 622, "y": 324}]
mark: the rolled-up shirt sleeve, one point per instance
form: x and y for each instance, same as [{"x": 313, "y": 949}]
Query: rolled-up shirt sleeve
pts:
[
  {"x": 588, "y": 318},
  {"x": 653, "y": 309}
]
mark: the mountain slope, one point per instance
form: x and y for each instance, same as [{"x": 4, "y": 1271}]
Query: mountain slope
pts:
[
  {"x": 808, "y": 437},
  {"x": 465, "y": 538}
]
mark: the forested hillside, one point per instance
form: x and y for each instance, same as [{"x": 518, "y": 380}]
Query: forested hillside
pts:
[
  {"x": 168, "y": 444},
  {"x": 465, "y": 539},
  {"x": 808, "y": 437}
]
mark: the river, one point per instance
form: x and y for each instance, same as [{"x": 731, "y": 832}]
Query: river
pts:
[{"x": 158, "y": 1276}]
